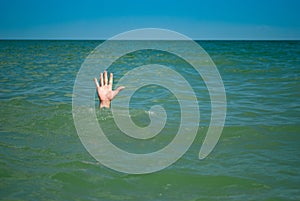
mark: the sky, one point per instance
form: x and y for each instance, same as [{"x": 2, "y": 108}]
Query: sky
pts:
[{"x": 200, "y": 20}]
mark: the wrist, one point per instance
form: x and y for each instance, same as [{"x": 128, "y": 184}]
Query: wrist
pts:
[{"x": 105, "y": 103}]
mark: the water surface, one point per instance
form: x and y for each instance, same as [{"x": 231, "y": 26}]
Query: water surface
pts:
[{"x": 257, "y": 157}]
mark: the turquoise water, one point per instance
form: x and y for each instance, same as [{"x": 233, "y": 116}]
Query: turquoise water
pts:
[{"x": 256, "y": 158}]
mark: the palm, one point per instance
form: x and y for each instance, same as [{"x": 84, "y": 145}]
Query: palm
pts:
[
  {"x": 104, "y": 89},
  {"x": 105, "y": 93}
]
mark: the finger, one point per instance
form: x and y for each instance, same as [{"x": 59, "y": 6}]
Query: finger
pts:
[
  {"x": 111, "y": 79},
  {"x": 117, "y": 90},
  {"x": 96, "y": 82},
  {"x": 105, "y": 78},
  {"x": 101, "y": 79}
]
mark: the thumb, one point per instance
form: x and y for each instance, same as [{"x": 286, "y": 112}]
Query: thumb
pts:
[{"x": 119, "y": 89}]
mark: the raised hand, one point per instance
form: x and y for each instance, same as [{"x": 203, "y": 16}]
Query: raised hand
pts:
[{"x": 104, "y": 89}]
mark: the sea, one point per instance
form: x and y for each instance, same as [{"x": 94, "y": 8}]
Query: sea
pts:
[{"x": 256, "y": 158}]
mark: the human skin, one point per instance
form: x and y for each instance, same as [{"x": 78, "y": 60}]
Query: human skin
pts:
[{"x": 104, "y": 89}]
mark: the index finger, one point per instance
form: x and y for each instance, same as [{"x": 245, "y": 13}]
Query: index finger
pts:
[{"x": 111, "y": 79}]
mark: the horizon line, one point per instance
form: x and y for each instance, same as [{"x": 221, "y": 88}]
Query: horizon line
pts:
[{"x": 96, "y": 39}]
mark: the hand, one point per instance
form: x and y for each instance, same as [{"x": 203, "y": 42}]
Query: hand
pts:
[{"x": 105, "y": 92}]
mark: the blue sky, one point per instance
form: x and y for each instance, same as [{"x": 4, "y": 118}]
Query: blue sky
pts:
[{"x": 228, "y": 19}]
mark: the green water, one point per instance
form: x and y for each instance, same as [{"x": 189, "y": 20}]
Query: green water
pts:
[{"x": 256, "y": 158}]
